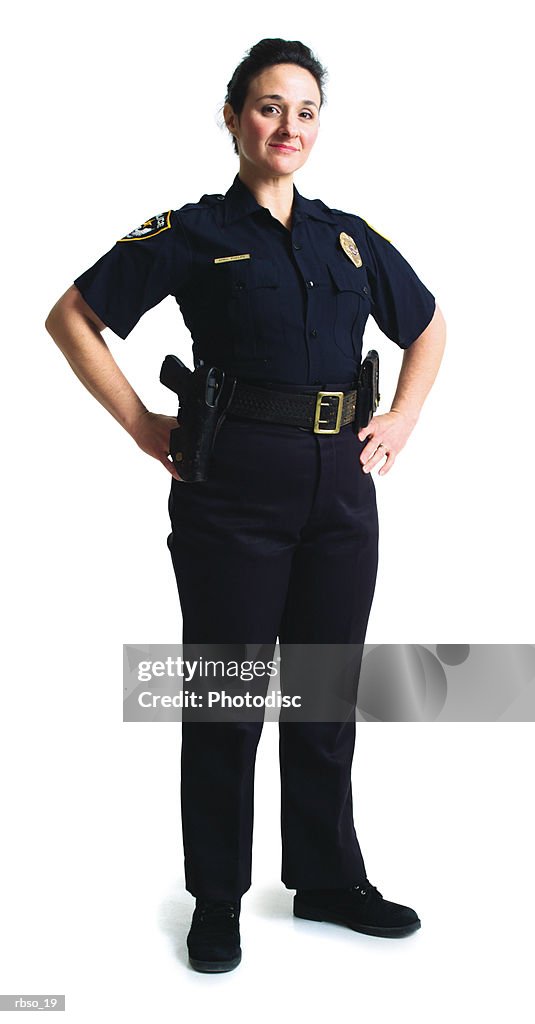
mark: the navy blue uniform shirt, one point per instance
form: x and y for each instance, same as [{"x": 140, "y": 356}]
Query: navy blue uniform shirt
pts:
[{"x": 270, "y": 304}]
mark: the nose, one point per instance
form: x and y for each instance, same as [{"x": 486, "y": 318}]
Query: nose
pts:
[{"x": 288, "y": 126}]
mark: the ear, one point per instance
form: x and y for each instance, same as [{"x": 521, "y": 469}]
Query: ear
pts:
[{"x": 231, "y": 119}]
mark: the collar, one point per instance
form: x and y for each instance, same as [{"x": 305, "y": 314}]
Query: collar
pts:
[{"x": 240, "y": 202}]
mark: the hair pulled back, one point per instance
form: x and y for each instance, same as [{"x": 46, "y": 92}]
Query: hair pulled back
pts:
[{"x": 265, "y": 54}]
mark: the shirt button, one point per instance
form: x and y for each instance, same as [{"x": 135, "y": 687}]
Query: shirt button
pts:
[
  {"x": 310, "y": 284},
  {"x": 314, "y": 333},
  {"x": 239, "y": 284},
  {"x": 297, "y": 245},
  {"x": 365, "y": 290}
]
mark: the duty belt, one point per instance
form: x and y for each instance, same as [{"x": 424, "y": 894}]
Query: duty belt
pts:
[{"x": 323, "y": 412}]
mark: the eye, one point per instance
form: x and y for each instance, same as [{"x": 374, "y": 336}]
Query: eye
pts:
[
  {"x": 310, "y": 115},
  {"x": 269, "y": 106}
]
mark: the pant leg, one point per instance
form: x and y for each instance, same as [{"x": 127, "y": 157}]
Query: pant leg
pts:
[
  {"x": 328, "y": 602},
  {"x": 232, "y": 544}
]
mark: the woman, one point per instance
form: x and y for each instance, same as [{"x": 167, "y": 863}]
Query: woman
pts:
[{"x": 281, "y": 539}]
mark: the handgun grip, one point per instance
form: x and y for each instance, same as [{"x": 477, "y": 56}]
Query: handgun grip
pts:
[{"x": 175, "y": 375}]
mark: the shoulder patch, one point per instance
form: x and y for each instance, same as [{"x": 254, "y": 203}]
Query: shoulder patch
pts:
[{"x": 149, "y": 228}]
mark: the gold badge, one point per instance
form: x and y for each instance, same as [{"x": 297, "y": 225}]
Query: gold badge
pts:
[{"x": 350, "y": 249}]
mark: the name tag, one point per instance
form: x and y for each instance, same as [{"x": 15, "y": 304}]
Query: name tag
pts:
[{"x": 231, "y": 259}]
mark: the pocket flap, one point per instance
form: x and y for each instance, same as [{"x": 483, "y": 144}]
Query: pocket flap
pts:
[
  {"x": 349, "y": 278},
  {"x": 254, "y": 273}
]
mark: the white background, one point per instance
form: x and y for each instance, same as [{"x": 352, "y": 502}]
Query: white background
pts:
[{"x": 111, "y": 113}]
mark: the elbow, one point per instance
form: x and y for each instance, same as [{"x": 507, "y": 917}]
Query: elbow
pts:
[
  {"x": 60, "y": 322},
  {"x": 63, "y": 314},
  {"x": 51, "y": 321},
  {"x": 71, "y": 311}
]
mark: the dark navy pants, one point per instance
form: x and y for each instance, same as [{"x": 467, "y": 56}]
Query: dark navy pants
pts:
[{"x": 280, "y": 542}]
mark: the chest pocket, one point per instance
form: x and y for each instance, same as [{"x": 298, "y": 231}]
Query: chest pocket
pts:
[
  {"x": 351, "y": 304},
  {"x": 253, "y": 293}
]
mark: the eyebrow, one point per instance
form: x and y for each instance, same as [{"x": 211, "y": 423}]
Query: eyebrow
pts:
[{"x": 275, "y": 96}]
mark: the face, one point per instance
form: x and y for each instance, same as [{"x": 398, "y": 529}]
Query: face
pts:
[{"x": 279, "y": 123}]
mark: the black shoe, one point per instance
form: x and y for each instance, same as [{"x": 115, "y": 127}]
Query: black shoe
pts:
[
  {"x": 214, "y": 937},
  {"x": 360, "y": 907}
]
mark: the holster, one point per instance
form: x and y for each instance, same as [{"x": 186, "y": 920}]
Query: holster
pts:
[
  {"x": 204, "y": 396},
  {"x": 368, "y": 396}
]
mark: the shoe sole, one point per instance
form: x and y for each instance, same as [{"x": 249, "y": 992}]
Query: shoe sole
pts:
[
  {"x": 214, "y": 966},
  {"x": 312, "y": 914}
]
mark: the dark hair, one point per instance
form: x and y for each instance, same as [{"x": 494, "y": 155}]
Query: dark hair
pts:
[{"x": 265, "y": 54}]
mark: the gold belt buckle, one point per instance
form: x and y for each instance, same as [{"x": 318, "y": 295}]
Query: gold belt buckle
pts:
[{"x": 321, "y": 396}]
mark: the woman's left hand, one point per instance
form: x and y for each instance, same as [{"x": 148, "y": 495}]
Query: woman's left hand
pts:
[{"x": 387, "y": 435}]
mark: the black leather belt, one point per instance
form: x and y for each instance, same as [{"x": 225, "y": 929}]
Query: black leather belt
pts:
[{"x": 323, "y": 412}]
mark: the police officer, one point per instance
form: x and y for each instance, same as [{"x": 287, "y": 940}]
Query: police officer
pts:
[{"x": 281, "y": 539}]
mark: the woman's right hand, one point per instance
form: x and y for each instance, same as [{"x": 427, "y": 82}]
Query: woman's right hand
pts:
[{"x": 151, "y": 433}]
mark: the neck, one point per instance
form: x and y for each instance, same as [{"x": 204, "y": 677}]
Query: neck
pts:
[{"x": 274, "y": 193}]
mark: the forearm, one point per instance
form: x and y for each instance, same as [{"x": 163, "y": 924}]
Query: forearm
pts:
[
  {"x": 420, "y": 366},
  {"x": 91, "y": 360}
]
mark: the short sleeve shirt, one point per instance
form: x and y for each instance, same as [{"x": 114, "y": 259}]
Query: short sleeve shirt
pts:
[{"x": 269, "y": 304}]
